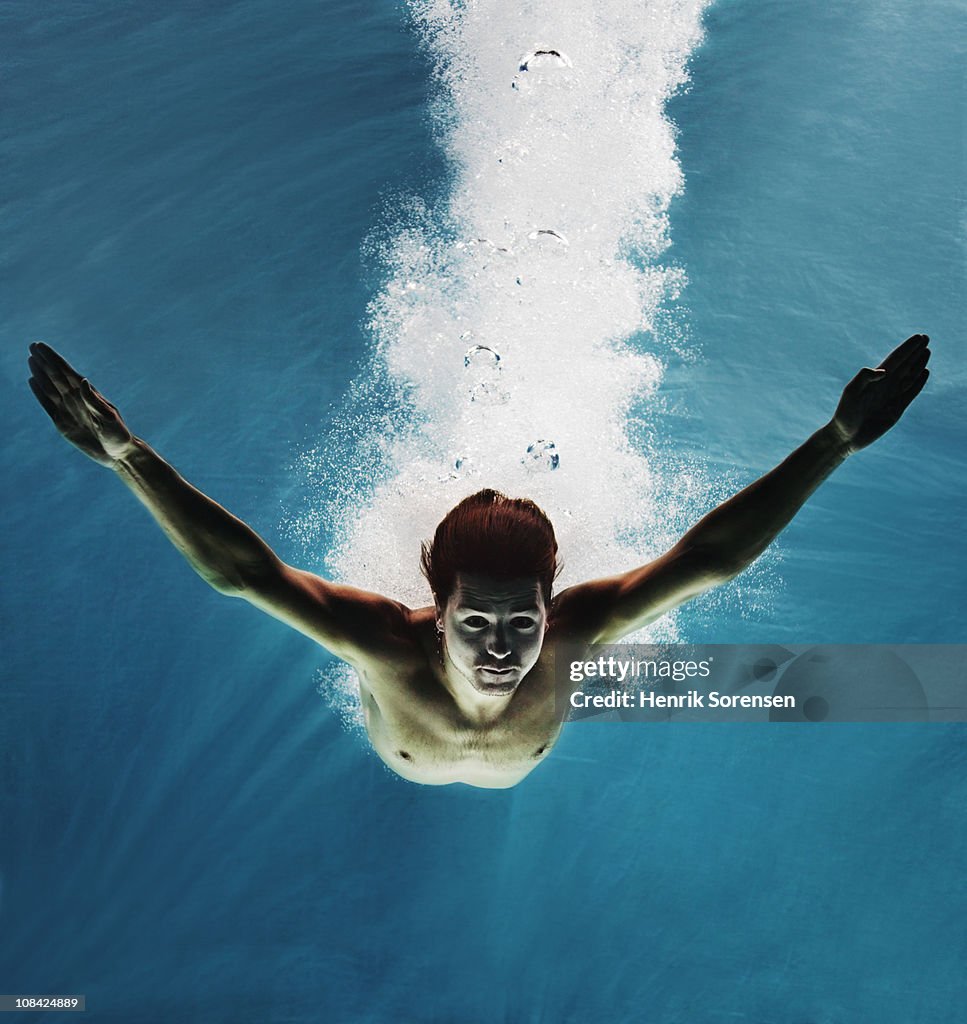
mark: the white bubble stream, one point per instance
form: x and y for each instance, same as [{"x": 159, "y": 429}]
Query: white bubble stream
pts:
[{"x": 519, "y": 329}]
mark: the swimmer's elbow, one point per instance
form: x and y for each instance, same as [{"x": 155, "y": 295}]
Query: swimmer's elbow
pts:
[
  {"x": 223, "y": 584},
  {"x": 726, "y": 565},
  {"x": 699, "y": 567},
  {"x": 233, "y": 565},
  {"x": 238, "y": 580}
]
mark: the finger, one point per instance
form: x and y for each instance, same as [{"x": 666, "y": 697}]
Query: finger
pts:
[
  {"x": 868, "y": 375},
  {"x": 50, "y": 407},
  {"x": 94, "y": 399},
  {"x": 914, "y": 362},
  {"x": 46, "y": 372},
  {"x": 904, "y": 399},
  {"x": 56, "y": 364},
  {"x": 55, "y": 359},
  {"x": 910, "y": 371},
  {"x": 913, "y": 345},
  {"x": 110, "y": 405},
  {"x": 73, "y": 405},
  {"x": 42, "y": 381},
  {"x": 916, "y": 387},
  {"x": 904, "y": 352},
  {"x": 860, "y": 380},
  {"x": 38, "y": 370},
  {"x": 86, "y": 423}
]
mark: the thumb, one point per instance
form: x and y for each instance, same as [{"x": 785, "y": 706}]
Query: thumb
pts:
[{"x": 870, "y": 376}]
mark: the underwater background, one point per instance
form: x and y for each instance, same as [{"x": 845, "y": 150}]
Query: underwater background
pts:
[{"x": 214, "y": 210}]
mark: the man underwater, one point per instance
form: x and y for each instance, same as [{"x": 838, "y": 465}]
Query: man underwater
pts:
[{"x": 464, "y": 690}]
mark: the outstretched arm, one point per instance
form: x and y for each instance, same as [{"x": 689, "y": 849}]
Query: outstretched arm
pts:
[
  {"x": 733, "y": 535},
  {"x": 226, "y": 553}
]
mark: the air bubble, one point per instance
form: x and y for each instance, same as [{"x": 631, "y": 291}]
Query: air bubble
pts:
[
  {"x": 542, "y": 457},
  {"x": 484, "y": 245},
  {"x": 481, "y": 357},
  {"x": 548, "y": 235},
  {"x": 542, "y": 65},
  {"x": 462, "y": 467},
  {"x": 488, "y": 393},
  {"x": 544, "y": 58},
  {"x": 485, "y": 363}
]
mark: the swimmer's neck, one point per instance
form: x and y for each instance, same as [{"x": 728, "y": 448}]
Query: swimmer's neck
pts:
[{"x": 479, "y": 708}]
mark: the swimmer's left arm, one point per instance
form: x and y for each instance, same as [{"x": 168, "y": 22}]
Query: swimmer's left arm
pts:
[{"x": 733, "y": 535}]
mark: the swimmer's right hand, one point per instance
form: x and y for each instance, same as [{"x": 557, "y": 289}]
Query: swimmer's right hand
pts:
[{"x": 80, "y": 412}]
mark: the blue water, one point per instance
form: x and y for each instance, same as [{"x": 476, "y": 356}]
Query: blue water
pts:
[{"x": 186, "y": 829}]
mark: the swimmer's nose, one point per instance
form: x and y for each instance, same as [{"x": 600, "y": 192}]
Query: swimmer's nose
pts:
[{"x": 497, "y": 645}]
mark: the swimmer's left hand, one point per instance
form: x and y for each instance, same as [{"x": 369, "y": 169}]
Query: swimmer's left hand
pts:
[{"x": 875, "y": 399}]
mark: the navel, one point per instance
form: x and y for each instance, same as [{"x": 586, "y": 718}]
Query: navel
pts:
[{"x": 404, "y": 755}]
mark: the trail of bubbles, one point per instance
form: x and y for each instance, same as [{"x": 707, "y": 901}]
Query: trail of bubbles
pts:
[{"x": 520, "y": 322}]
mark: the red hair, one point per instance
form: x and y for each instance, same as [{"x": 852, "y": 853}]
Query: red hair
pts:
[{"x": 491, "y": 534}]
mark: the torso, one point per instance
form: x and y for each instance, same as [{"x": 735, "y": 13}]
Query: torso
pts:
[{"x": 420, "y": 732}]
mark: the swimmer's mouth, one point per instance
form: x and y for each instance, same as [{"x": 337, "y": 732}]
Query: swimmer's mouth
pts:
[{"x": 503, "y": 670}]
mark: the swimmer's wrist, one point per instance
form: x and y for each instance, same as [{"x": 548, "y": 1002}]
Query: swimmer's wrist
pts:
[
  {"x": 834, "y": 438},
  {"x": 136, "y": 451}
]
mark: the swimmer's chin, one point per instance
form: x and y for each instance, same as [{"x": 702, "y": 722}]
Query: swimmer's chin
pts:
[
  {"x": 492, "y": 685},
  {"x": 496, "y": 691}
]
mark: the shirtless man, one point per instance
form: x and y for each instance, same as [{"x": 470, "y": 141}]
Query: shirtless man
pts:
[{"x": 464, "y": 690}]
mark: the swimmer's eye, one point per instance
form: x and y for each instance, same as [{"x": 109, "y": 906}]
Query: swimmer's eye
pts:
[
  {"x": 522, "y": 622},
  {"x": 475, "y": 621}
]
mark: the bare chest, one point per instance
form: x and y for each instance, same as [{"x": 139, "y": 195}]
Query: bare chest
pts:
[{"x": 419, "y": 732}]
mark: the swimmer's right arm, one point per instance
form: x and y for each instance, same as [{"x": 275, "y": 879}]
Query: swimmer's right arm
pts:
[
  {"x": 224, "y": 551},
  {"x": 236, "y": 561}
]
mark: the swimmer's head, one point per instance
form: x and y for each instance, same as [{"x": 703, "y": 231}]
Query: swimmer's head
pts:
[
  {"x": 492, "y": 630},
  {"x": 491, "y": 567},
  {"x": 491, "y": 534}
]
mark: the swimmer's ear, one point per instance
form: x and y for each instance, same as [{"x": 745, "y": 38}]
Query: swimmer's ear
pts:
[{"x": 440, "y": 612}]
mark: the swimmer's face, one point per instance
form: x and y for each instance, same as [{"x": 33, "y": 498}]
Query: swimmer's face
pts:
[{"x": 493, "y": 630}]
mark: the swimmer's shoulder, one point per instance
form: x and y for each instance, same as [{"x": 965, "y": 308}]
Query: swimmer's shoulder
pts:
[
  {"x": 399, "y": 639},
  {"x": 406, "y": 665},
  {"x": 353, "y": 624},
  {"x": 421, "y": 633},
  {"x": 575, "y": 615}
]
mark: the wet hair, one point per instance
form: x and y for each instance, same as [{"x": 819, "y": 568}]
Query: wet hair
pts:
[{"x": 491, "y": 534}]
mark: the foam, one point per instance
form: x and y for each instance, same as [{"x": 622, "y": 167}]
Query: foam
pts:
[{"x": 547, "y": 250}]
